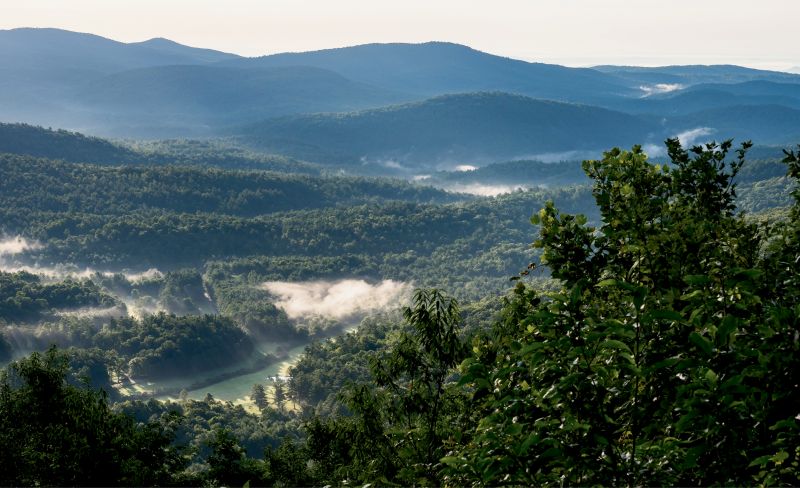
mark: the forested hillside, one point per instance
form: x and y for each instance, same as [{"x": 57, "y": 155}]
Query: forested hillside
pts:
[
  {"x": 394, "y": 264},
  {"x": 24, "y": 139},
  {"x": 76, "y": 188},
  {"x": 450, "y": 129},
  {"x": 664, "y": 352}
]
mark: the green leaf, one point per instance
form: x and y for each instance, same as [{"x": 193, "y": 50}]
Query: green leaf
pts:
[
  {"x": 780, "y": 457},
  {"x": 728, "y": 326},
  {"x": 701, "y": 343},
  {"x": 749, "y": 274},
  {"x": 531, "y": 440},
  {"x": 685, "y": 421},
  {"x": 696, "y": 279},
  {"x": 665, "y": 315},
  {"x": 550, "y": 453},
  {"x": 615, "y": 344},
  {"x": 759, "y": 461},
  {"x": 451, "y": 461}
]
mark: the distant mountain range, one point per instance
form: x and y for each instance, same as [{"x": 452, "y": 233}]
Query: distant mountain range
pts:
[
  {"x": 411, "y": 104},
  {"x": 449, "y": 130}
]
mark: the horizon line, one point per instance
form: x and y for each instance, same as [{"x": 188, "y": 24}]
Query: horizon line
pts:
[{"x": 570, "y": 61}]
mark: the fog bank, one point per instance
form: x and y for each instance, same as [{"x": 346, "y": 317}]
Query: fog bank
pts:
[
  {"x": 481, "y": 189},
  {"x": 336, "y": 299},
  {"x": 10, "y": 245}
]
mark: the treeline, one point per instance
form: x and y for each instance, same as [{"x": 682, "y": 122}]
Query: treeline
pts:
[
  {"x": 402, "y": 235},
  {"x": 73, "y": 147},
  {"x": 165, "y": 345},
  {"x": 24, "y": 297},
  {"x": 63, "y": 187},
  {"x": 61, "y": 144},
  {"x": 154, "y": 347},
  {"x": 668, "y": 355}
]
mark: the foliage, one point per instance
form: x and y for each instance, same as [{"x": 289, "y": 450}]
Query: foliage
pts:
[
  {"x": 259, "y": 396},
  {"x": 670, "y": 356},
  {"x": 164, "y": 345},
  {"x": 57, "y": 434},
  {"x": 116, "y": 190},
  {"x": 327, "y": 367},
  {"x": 397, "y": 428},
  {"x": 24, "y": 297}
]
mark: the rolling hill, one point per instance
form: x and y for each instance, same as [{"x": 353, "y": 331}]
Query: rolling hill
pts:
[
  {"x": 705, "y": 96},
  {"x": 436, "y": 68},
  {"x": 74, "y": 147},
  {"x": 695, "y": 74},
  {"x": 61, "y": 144},
  {"x": 159, "y": 89},
  {"x": 41, "y": 68},
  {"x": 764, "y": 124},
  {"x": 181, "y": 100},
  {"x": 448, "y": 130}
]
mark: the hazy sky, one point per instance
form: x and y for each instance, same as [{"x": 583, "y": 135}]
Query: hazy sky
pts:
[{"x": 760, "y": 33}]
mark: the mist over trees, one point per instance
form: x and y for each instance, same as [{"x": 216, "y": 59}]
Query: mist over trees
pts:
[
  {"x": 393, "y": 264},
  {"x": 665, "y": 354}
]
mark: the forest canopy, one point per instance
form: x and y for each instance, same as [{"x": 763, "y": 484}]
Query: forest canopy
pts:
[{"x": 666, "y": 354}]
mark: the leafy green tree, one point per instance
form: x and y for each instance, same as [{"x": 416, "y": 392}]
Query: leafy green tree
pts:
[
  {"x": 279, "y": 393},
  {"x": 228, "y": 465},
  {"x": 398, "y": 430},
  {"x": 54, "y": 433},
  {"x": 259, "y": 396},
  {"x": 667, "y": 358}
]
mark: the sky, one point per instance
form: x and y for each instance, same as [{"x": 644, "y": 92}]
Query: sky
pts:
[{"x": 760, "y": 34}]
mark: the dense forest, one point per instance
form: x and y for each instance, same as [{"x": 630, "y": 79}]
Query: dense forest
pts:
[
  {"x": 394, "y": 265},
  {"x": 651, "y": 339}
]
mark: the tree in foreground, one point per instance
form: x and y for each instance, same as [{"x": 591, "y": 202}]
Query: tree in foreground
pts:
[
  {"x": 57, "y": 434},
  {"x": 671, "y": 355},
  {"x": 397, "y": 431}
]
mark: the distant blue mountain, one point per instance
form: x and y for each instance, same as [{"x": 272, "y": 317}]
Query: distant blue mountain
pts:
[
  {"x": 41, "y": 68},
  {"x": 764, "y": 124},
  {"x": 470, "y": 128},
  {"x": 197, "y": 100},
  {"x": 436, "y": 68},
  {"x": 159, "y": 88},
  {"x": 695, "y": 74},
  {"x": 54, "y": 57},
  {"x": 713, "y": 95},
  {"x": 199, "y": 55}
]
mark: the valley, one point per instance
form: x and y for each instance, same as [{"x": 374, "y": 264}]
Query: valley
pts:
[{"x": 396, "y": 264}]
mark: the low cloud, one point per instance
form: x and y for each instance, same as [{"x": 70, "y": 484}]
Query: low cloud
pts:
[
  {"x": 692, "y": 136},
  {"x": 93, "y": 312},
  {"x": 11, "y": 245},
  {"x": 660, "y": 88},
  {"x": 336, "y": 299},
  {"x": 654, "y": 150},
  {"x": 62, "y": 271},
  {"x": 482, "y": 189},
  {"x": 142, "y": 306}
]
